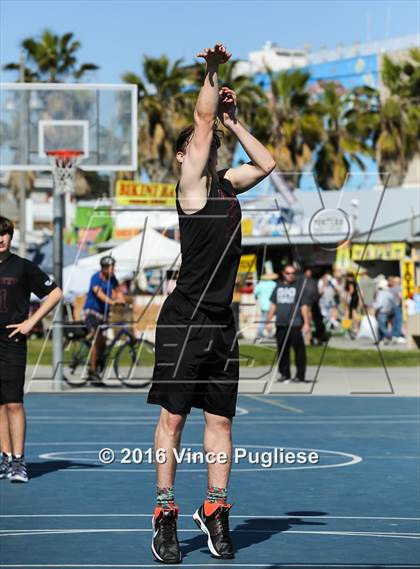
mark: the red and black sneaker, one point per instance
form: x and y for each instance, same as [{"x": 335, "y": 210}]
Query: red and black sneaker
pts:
[
  {"x": 213, "y": 520},
  {"x": 165, "y": 545}
]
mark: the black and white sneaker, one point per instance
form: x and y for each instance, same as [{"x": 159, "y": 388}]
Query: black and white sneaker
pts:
[
  {"x": 5, "y": 467},
  {"x": 18, "y": 471},
  {"x": 283, "y": 378},
  {"x": 165, "y": 545},
  {"x": 215, "y": 524}
]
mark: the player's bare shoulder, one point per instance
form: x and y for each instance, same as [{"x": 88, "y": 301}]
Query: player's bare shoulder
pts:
[{"x": 193, "y": 197}]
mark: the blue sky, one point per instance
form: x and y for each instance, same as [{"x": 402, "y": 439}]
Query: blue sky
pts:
[{"x": 116, "y": 34}]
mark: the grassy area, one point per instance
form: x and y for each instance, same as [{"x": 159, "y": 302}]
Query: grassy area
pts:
[
  {"x": 336, "y": 357},
  {"x": 265, "y": 355},
  {"x": 37, "y": 349}
]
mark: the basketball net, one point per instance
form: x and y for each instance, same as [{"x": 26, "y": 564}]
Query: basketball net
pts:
[{"x": 64, "y": 164}]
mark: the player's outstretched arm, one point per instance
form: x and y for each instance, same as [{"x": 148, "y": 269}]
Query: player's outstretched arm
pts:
[
  {"x": 262, "y": 163},
  {"x": 205, "y": 113}
]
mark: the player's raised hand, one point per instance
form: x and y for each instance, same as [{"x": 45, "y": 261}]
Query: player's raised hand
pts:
[
  {"x": 216, "y": 55},
  {"x": 227, "y": 106}
]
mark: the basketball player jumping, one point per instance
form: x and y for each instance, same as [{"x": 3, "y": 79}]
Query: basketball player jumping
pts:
[{"x": 197, "y": 352}]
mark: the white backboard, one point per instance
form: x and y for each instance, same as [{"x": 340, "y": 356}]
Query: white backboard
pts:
[{"x": 98, "y": 120}]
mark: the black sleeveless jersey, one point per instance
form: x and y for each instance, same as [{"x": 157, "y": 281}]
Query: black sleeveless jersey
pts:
[{"x": 210, "y": 249}]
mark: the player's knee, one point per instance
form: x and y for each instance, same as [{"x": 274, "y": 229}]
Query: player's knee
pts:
[
  {"x": 172, "y": 424},
  {"x": 218, "y": 423},
  {"x": 13, "y": 407}
]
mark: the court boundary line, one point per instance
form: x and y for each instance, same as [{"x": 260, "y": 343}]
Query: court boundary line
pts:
[
  {"x": 263, "y": 566},
  {"x": 307, "y": 417},
  {"x": 342, "y": 533},
  {"x": 230, "y": 516},
  {"x": 247, "y": 422},
  {"x": 276, "y": 404}
]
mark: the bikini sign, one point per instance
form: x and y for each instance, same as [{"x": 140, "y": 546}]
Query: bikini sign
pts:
[{"x": 129, "y": 192}]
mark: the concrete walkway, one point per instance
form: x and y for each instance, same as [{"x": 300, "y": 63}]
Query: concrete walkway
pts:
[{"x": 260, "y": 380}]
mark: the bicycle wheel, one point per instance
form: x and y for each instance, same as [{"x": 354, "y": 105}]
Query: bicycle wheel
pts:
[
  {"x": 133, "y": 363},
  {"x": 75, "y": 364}
]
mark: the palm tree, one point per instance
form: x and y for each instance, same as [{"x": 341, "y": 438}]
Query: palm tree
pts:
[
  {"x": 397, "y": 133},
  {"x": 164, "y": 104},
  {"x": 167, "y": 98},
  {"x": 51, "y": 58},
  {"x": 342, "y": 141},
  {"x": 14, "y": 181},
  {"x": 290, "y": 124},
  {"x": 390, "y": 123}
]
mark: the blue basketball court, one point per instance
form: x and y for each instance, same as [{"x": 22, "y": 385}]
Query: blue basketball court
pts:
[{"x": 358, "y": 506}]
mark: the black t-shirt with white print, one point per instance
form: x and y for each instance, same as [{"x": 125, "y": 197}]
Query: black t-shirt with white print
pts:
[
  {"x": 18, "y": 278},
  {"x": 286, "y": 296}
]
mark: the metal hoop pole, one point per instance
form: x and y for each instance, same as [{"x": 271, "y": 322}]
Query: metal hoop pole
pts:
[
  {"x": 63, "y": 170},
  {"x": 57, "y": 332}
]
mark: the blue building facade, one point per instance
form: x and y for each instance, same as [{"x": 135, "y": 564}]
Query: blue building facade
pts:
[{"x": 362, "y": 70}]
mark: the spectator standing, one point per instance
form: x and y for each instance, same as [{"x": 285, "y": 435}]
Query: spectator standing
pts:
[
  {"x": 367, "y": 288},
  {"x": 262, "y": 293},
  {"x": 384, "y": 306},
  {"x": 291, "y": 304},
  {"x": 328, "y": 290},
  {"x": 311, "y": 288},
  {"x": 351, "y": 302},
  {"x": 397, "y": 319}
]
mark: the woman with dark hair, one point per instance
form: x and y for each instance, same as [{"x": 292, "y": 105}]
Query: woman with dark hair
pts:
[{"x": 352, "y": 302}]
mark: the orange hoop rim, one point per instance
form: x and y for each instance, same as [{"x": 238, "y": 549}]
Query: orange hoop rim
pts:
[{"x": 64, "y": 153}]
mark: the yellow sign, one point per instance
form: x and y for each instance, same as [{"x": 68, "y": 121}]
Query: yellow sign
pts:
[
  {"x": 378, "y": 252},
  {"x": 129, "y": 192},
  {"x": 407, "y": 282},
  {"x": 246, "y": 226},
  {"x": 343, "y": 258},
  {"x": 248, "y": 264}
]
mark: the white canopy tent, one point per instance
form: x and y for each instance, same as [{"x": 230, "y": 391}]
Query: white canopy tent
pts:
[
  {"x": 155, "y": 219},
  {"x": 157, "y": 251}
]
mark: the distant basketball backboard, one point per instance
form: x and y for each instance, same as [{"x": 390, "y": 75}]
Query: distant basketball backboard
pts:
[{"x": 98, "y": 120}]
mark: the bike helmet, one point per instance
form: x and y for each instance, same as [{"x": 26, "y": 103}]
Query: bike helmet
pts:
[{"x": 107, "y": 261}]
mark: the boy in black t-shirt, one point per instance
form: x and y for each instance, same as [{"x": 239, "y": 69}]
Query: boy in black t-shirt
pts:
[
  {"x": 291, "y": 303},
  {"x": 18, "y": 279}
]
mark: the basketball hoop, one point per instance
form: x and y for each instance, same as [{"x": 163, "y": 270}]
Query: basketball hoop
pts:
[{"x": 64, "y": 164}]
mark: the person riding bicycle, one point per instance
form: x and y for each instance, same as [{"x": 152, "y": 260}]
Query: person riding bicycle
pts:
[{"x": 104, "y": 292}]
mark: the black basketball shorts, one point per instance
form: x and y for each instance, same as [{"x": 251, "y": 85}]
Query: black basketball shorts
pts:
[
  {"x": 12, "y": 366},
  {"x": 196, "y": 359}
]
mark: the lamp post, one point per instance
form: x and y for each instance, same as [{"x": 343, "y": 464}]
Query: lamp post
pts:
[{"x": 23, "y": 150}]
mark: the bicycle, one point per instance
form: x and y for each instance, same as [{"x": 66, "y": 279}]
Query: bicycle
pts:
[{"x": 124, "y": 351}]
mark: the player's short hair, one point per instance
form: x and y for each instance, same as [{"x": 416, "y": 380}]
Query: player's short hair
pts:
[
  {"x": 185, "y": 136},
  {"x": 6, "y": 226}
]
